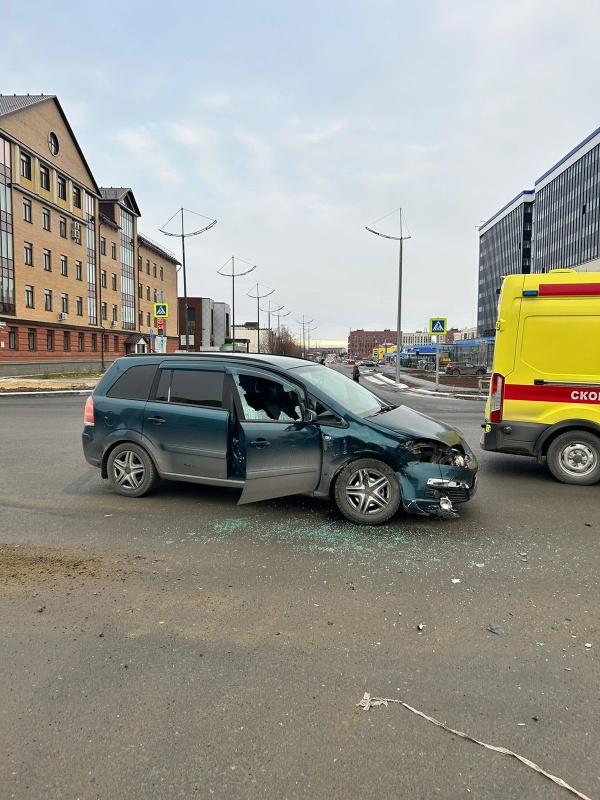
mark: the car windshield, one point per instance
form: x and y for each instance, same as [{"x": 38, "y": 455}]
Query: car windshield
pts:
[{"x": 342, "y": 390}]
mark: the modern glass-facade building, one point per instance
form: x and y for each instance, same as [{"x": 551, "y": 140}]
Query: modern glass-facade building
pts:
[
  {"x": 556, "y": 225},
  {"x": 504, "y": 249},
  {"x": 567, "y": 200}
]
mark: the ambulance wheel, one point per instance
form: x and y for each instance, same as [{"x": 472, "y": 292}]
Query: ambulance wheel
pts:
[{"x": 574, "y": 457}]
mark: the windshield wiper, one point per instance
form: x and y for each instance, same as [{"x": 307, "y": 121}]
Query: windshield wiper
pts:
[{"x": 384, "y": 409}]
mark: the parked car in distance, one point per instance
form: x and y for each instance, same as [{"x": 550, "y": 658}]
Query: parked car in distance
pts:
[
  {"x": 371, "y": 364},
  {"x": 465, "y": 368},
  {"x": 271, "y": 426}
]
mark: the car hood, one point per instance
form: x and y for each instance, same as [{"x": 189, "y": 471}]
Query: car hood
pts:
[{"x": 413, "y": 424}]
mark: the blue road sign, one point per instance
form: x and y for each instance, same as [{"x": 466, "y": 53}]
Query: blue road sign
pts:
[{"x": 437, "y": 326}]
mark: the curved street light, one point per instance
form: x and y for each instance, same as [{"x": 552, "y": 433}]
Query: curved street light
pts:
[{"x": 399, "y": 239}]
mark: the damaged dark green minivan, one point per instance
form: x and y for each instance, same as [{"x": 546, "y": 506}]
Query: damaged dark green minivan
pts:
[{"x": 271, "y": 426}]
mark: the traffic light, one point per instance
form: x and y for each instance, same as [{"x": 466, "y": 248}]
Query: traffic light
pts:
[{"x": 160, "y": 324}]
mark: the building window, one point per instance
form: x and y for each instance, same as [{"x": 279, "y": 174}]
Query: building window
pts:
[
  {"x": 103, "y": 278},
  {"x": 116, "y": 344},
  {"x": 64, "y": 266},
  {"x": 47, "y": 299},
  {"x": 49, "y": 340},
  {"x": 79, "y": 306},
  {"x": 28, "y": 253},
  {"x": 147, "y": 267},
  {"x": 147, "y": 293},
  {"x": 154, "y": 270},
  {"x": 103, "y": 311},
  {"x": 26, "y": 209},
  {"x": 78, "y": 270},
  {"x": 29, "y": 297},
  {"x": 53, "y": 143},
  {"x": 102, "y": 246},
  {"x": 77, "y": 197},
  {"x": 44, "y": 178},
  {"x": 62, "y": 227},
  {"x": 31, "y": 344},
  {"x": 105, "y": 342},
  {"x": 140, "y": 291},
  {"x": 80, "y": 342},
  {"x": 62, "y": 187},
  {"x": 64, "y": 301},
  {"x": 155, "y": 295},
  {"x": 12, "y": 338},
  {"x": 113, "y": 250},
  {"x": 113, "y": 282},
  {"x": 46, "y": 219},
  {"x": 66, "y": 340},
  {"x": 139, "y": 263},
  {"x": 141, "y": 318},
  {"x": 26, "y": 166},
  {"x": 94, "y": 341},
  {"x": 114, "y": 313},
  {"x": 148, "y": 320},
  {"x": 47, "y": 260},
  {"x": 161, "y": 274}
]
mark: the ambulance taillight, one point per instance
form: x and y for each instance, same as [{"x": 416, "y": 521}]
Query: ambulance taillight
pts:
[{"x": 496, "y": 397}]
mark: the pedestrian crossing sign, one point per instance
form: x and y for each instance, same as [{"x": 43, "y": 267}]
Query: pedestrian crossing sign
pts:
[
  {"x": 161, "y": 310},
  {"x": 438, "y": 326}
]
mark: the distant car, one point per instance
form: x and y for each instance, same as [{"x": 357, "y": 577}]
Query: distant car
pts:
[
  {"x": 465, "y": 368},
  {"x": 271, "y": 426},
  {"x": 371, "y": 364}
]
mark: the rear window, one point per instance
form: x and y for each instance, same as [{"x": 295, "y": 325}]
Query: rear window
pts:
[
  {"x": 134, "y": 384},
  {"x": 191, "y": 387}
]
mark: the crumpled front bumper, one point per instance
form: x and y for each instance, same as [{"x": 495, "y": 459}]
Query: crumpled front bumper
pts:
[{"x": 427, "y": 488}]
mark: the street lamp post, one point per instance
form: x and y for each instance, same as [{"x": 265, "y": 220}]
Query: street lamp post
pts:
[
  {"x": 183, "y": 235},
  {"x": 233, "y": 275},
  {"x": 259, "y": 295},
  {"x": 400, "y": 239}
]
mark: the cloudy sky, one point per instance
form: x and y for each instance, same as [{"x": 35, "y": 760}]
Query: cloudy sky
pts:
[{"x": 296, "y": 124}]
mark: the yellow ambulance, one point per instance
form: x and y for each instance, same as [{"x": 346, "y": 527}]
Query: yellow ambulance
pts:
[{"x": 544, "y": 398}]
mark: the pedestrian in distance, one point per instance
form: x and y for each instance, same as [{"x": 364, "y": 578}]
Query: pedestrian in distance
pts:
[{"x": 356, "y": 373}]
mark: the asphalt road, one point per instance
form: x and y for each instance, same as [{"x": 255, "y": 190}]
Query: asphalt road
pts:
[{"x": 179, "y": 646}]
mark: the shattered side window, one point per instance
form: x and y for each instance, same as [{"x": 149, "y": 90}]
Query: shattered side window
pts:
[{"x": 266, "y": 399}]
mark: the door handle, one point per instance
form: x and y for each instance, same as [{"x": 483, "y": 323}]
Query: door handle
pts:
[
  {"x": 156, "y": 420},
  {"x": 260, "y": 443}
]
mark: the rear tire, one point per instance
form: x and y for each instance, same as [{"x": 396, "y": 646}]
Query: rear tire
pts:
[
  {"x": 574, "y": 457},
  {"x": 131, "y": 471},
  {"x": 367, "y": 492},
  {"x": 480, "y": 373},
  {"x": 455, "y": 372}
]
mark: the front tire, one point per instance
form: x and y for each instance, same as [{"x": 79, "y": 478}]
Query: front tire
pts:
[
  {"x": 455, "y": 372},
  {"x": 574, "y": 457},
  {"x": 367, "y": 492},
  {"x": 131, "y": 471},
  {"x": 480, "y": 373}
]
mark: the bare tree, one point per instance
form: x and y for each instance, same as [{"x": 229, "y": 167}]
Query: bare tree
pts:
[{"x": 283, "y": 343}]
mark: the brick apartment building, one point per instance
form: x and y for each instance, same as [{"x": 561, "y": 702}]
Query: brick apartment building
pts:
[
  {"x": 77, "y": 279},
  {"x": 361, "y": 342}
]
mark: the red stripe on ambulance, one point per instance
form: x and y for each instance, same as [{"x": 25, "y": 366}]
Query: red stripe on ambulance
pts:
[
  {"x": 569, "y": 289},
  {"x": 551, "y": 394}
]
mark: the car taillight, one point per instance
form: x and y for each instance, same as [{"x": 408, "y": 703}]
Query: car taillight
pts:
[
  {"x": 496, "y": 397},
  {"x": 88, "y": 414}
]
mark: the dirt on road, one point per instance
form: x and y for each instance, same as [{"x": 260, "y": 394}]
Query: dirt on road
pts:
[{"x": 8, "y": 385}]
